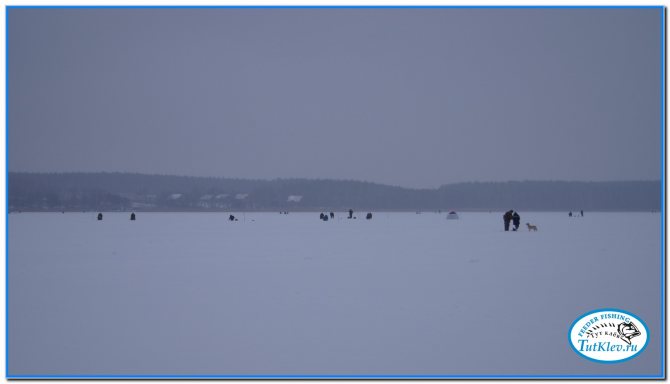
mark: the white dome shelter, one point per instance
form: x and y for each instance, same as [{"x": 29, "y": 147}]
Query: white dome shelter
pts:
[{"x": 452, "y": 216}]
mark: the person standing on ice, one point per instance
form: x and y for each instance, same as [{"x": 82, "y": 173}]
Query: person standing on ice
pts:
[
  {"x": 516, "y": 219},
  {"x": 507, "y": 217},
  {"x": 351, "y": 213}
]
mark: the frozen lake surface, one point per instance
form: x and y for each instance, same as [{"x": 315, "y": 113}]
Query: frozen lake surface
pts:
[{"x": 401, "y": 294}]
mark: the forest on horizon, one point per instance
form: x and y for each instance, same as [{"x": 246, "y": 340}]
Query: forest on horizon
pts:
[{"x": 140, "y": 192}]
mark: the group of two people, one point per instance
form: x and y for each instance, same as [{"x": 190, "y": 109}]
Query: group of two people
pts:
[{"x": 512, "y": 216}]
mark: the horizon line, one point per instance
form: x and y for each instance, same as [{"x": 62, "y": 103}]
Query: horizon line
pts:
[{"x": 251, "y": 179}]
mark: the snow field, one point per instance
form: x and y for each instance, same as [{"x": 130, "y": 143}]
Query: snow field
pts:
[{"x": 401, "y": 294}]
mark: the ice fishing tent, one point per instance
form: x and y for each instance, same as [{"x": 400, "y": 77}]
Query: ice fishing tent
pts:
[{"x": 452, "y": 216}]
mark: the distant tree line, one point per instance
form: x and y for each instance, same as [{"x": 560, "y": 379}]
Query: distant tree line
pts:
[{"x": 138, "y": 192}]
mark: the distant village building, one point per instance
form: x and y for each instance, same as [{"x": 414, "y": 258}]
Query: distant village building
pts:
[
  {"x": 175, "y": 196},
  {"x": 142, "y": 205},
  {"x": 205, "y": 201},
  {"x": 241, "y": 196},
  {"x": 294, "y": 198}
]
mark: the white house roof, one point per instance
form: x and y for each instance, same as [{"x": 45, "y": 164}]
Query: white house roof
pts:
[{"x": 295, "y": 198}]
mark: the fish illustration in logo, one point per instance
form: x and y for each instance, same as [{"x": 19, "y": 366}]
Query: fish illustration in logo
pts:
[{"x": 627, "y": 331}]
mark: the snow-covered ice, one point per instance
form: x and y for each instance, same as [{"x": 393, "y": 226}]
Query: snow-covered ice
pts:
[{"x": 401, "y": 294}]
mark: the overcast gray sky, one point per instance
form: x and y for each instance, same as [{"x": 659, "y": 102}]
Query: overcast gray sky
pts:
[{"x": 416, "y": 97}]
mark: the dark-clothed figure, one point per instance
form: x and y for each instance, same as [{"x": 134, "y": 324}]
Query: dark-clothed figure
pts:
[
  {"x": 507, "y": 217},
  {"x": 132, "y": 216},
  {"x": 351, "y": 213},
  {"x": 368, "y": 216},
  {"x": 321, "y": 215},
  {"x": 332, "y": 215},
  {"x": 99, "y": 216},
  {"x": 231, "y": 218},
  {"x": 516, "y": 220},
  {"x": 582, "y": 212},
  {"x": 570, "y": 214}
]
